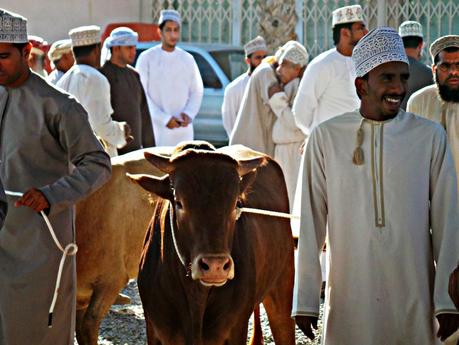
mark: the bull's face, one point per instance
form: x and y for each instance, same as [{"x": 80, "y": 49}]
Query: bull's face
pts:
[{"x": 204, "y": 189}]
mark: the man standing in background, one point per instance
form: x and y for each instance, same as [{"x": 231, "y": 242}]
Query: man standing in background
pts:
[
  {"x": 255, "y": 51},
  {"x": 61, "y": 56},
  {"x": 172, "y": 83},
  {"x": 420, "y": 74},
  {"x": 126, "y": 92},
  {"x": 327, "y": 87},
  {"x": 92, "y": 89}
]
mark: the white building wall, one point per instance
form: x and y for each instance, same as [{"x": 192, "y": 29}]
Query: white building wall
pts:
[{"x": 52, "y": 19}]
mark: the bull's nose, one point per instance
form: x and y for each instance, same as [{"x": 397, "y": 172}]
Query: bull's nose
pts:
[{"x": 213, "y": 270}]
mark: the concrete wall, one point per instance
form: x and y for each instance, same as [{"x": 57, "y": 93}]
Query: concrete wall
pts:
[{"x": 52, "y": 19}]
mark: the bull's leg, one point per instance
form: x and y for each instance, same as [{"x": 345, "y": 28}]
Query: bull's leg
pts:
[
  {"x": 89, "y": 323},
  {"x": 278, "y": 305},
  {"x": 239, "y": 333},
  {"x": 257, "y": 334}
]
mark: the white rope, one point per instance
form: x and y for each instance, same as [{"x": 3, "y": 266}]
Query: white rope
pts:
[
  {"x": 69, "y": 250},
  {"x": 239, "y": 211}
]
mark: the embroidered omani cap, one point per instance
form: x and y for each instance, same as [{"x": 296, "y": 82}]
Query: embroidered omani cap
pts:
[
  {"x": 59, "y": 48},
  {"x": 347, "y": 14},
  {"x": 85, "y": 35},
  {"x": 13, "y": 27},
  {"x": 410, "y": 28},
  {"x": 122, "y": 36},
  {"x": 258, "y": 43},
  {"x": 379, "y": 46},
  {"x": 442, "y": 43},
  {"x": 294, "y": 52}
]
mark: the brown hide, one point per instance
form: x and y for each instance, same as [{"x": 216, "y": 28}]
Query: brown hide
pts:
[
  {"x": 180, "y": 308},
  {"x": 453, "y": 287},
  {"x": 110, "y": 230}
]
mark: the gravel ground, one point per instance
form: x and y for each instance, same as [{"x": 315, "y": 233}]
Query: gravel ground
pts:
[{"x": 125, "y": 325}]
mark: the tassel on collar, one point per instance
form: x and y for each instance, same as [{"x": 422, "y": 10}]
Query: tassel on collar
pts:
[{"x": 357, "y": 157}]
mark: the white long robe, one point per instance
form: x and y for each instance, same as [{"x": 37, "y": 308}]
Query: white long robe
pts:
[
  {"x": 427, "y": 103},
  {"x": 232, "y": 99},
  {"x": 287, "y": 137},
  {"x": 382, "y": 287},
  {"x": 45, "y": 142},
  {"x": 92, "y": 90},
  {"x": 326, "y": 90},
  {"x": 173, "y": 85}
]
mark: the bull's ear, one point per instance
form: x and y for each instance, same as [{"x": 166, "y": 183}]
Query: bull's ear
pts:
[
  {"x": 246, "y": 166},
  {"x": 161, "y": 162},
  {"x": 161, "y": 186}
]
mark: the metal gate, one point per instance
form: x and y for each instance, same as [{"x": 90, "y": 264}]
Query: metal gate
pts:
[{"x": 237, "y": 21}]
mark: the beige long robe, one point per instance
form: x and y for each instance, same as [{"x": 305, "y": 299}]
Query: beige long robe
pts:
[
  {"x": 388, "y": 221},
  {"x": 287, "y": 137},
  {"x": 427, "y": 103},
  {"x": 45, "y": 142},
  {"x": 255, "y": 119}
]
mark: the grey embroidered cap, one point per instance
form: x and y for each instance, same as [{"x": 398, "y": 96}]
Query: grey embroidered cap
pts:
[
  {"x": 442, "y": 43},
  {"x": 410, "y": 28},
  {"x": 13, "y": 27},
  {"x": 379, "y": 46},
  {"x": 169, "y": 15},
  {"x": 85, "y": 35},
  {"x": 258, "y": 43}
]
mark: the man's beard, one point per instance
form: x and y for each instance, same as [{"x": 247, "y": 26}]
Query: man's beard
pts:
[{"x": 446, "y": 93}]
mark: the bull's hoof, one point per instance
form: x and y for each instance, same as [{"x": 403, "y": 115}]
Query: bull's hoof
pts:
[{"x": 122, "y": 299}]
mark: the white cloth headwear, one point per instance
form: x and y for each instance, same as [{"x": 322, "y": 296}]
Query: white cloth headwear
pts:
[
  {"x": 39, "y": 45},
  {"x": 169, "y": 15},
  {"x": 59, "y": 48},
  {"x": 85, "y": 35},
  {"x": 258, "y": 43},
  {"x": 294, "y": 52},
  {"x": 442, "y": 43},
  {"x": 347, "y": 14},
  {"x": 13, "y": 27},
  {"x": 122, "y": 36},
  {"x": 410, "y": 28},
  {"x": 379, "y": 46}
]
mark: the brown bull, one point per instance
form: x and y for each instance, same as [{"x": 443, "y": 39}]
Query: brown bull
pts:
[
  {"x": 201, "y": 278},
  {"x": 110, "y": 230}
]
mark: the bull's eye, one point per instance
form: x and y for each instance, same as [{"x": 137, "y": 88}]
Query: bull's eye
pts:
[{"x": 178, "y": 204}]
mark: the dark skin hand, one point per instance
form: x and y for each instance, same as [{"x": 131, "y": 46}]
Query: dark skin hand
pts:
[
  {"x": 449, "y": 323},
  {"x": 307, "y": 324},
  {"x": 275, "y": 88},
  {"x": 185, "y": 120},
  {"x": 127, "y": 133},
  {"x": 34, "y": 199},
  {"x": 173, "y": 123}
]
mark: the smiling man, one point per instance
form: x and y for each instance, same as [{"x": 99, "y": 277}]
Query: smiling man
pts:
[
  {"x": 440, "y": 102},
  {"x": 172, "y": 83},
  {"x": 380, "y": 184}
]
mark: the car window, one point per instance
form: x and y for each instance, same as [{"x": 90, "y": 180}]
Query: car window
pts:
[
  {"x": 231, "y": 62},
  {"x": 208, "y": 75}
]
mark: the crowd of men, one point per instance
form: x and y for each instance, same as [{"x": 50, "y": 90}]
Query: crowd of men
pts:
[{"x": 375, "y": 183}]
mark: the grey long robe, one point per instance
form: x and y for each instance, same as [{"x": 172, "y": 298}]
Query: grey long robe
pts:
[
  {"x": 388, "y": 220},
  {"x": 46, "y": 142}
]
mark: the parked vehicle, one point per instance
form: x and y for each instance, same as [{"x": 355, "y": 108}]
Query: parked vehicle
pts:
[{"x": 218, "y": 64}]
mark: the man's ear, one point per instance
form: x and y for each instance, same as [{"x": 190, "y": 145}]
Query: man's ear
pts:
[
  {"x": 361, "y": 86},
  {"x": 26, "y": 50}
]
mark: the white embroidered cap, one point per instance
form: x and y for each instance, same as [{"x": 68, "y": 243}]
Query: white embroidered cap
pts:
[
  {"x": 59, "y": 48},
  {"x": 294, "y": 52},
  {"x": 169, "y": 15},
  {"x": 442, "y": 43},
  {"x": 379, "y": 46},
  {"x": 13, "y": 27},
  {"x": 258, "y": 43},
  {"x": 347, "y": 14},
  {"x": 85, "y": 35},
  {"x": 122, "y": 36},
  {"x": 410, "y": 28}
]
